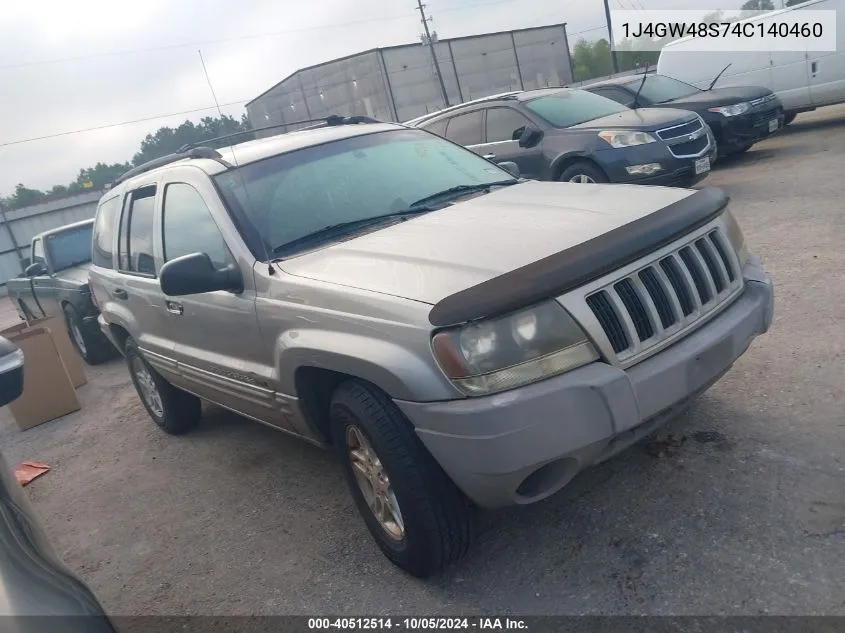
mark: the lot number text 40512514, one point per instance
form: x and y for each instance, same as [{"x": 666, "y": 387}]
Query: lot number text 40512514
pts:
[{"x": 418, "y": 624}]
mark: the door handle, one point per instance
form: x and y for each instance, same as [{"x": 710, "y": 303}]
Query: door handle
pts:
[
  {"x": 120, "y": 293},
  {"x": 489, "y": 156},
  {"x": 814, "y": 68},
  {"x": 174, "y": 308}
]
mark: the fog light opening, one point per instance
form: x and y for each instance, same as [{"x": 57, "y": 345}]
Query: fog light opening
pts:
[
  {"x": 644, "y": 170},
  {"x": 548, "y": 479}
]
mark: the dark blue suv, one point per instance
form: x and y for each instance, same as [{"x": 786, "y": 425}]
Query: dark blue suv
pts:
[{"x": 577, "y": 136}]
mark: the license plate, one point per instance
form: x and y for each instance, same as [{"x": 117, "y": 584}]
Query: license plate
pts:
[
  {"x": 702, "y": 165},
  {"x": 773, "y": 125}
]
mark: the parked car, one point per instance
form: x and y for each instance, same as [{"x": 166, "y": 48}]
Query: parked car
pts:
[
  {"x": 577, "y": 136},
  {"x": 803, "y": 80},
  {"x": 56, "y": 283},
  {"x": 738, "y": 116},
  {"x": 463, "y": 338},
  {"x": 35, "y": 581}
]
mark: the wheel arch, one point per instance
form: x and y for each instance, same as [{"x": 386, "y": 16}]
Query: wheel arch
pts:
[{"x": 566, "y": 160}]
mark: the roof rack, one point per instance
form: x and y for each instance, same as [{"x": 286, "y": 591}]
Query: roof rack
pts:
[
  {"x": 201, "y": 149},
  {"x": 430, "y": 115},
  {"x": 331, "y": 120},
  {"x": 183, "y": 153}
]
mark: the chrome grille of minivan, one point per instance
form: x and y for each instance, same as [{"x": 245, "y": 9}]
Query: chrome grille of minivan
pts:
[{"x": 668, "y": 296}]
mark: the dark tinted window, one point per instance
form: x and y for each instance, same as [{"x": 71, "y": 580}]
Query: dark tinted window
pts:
[
  {"x": 136, "y": 241},
  {"x": 660, "y": 88},
  {"x": 571, "y": 107},
  {"x": 70, "y": 248},
  {"x": 104, "y": 229},
  {"x": 502, "y": 123},
  {"x": 465, "y": 129},
  {"x": 438, "y": 127},
  {"x": 189, "y": 227},
  {"x": 617, "y": 94},
  {"x": 38, "y": 252}
]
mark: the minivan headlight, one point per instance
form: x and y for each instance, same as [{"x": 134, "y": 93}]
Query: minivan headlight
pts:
[
  {"x": 736, "y": 238},
  {"x": 626, "y": 138},
  {"x": 732, "y": 110},
  {"x": 493, "y": 355}
]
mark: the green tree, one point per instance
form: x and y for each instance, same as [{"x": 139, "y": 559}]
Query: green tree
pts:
[
  {"x": 758, "y": 5},
  {"x": 24, "y": 196},
  {"x": 167, "y": 140},
  {"x": 792, "y": 3}
]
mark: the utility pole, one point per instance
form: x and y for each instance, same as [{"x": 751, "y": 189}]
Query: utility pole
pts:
[
  {"x": 610, "y": 35},
  {"x": 429, "y": 40}
]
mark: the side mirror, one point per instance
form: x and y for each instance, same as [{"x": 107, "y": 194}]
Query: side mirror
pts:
[
  {"x": 193, "y": 274},
  {"x": 517, "y": 133},
  {"x": 530, "y": 136},
  {"x": 36, "y": 269},
  {"x": 510, "y": 167},
  {"x": 11, "y": 371}
]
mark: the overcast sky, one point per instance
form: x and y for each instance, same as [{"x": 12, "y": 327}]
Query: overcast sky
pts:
[{"x": 71, "y": 65}]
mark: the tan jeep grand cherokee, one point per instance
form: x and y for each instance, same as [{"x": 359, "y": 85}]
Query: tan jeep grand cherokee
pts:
[{"x": 462, "y": 337}]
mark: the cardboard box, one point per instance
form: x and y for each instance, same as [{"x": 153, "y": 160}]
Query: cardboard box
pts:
[
  {"x": 58, "y": 329},
  {"x": 48, "y": 392}
]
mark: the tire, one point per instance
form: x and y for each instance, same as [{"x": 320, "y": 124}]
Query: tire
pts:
[
  {"x": 582, "y": 172},
  {"x": 789, "y": 118},
  {"x": 175, "y": 411},
  {"x": 436, "y": 523},
  {"x": 93, "y": 347}
]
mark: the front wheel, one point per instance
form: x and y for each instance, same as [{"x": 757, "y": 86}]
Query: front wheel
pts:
[
  {"x": 418, "y": 517},
  {"x": 173, "y": 410},
  {"x": 582, "y": 172},
  {"x": 789, "y": 118}
]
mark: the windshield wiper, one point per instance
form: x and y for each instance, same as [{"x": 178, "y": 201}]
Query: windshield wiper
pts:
[
  {"x": 344, "y": 228},
  {"x": 459, "y": 190}
]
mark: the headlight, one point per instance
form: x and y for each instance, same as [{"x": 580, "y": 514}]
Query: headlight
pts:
[
  {"x": 626, "y": 138},
  {"x": 732, "y": 110},
  {"x": 522, "y": 347},
  {"x": 736, "y": 238}
]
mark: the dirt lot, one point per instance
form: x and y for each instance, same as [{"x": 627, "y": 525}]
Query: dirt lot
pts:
[{"x": 746, "y": 517}]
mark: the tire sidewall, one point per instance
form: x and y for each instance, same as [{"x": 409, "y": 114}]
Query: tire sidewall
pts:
[
  {"x": 340, "y": 423},
  {"x": 585, "y": 168},
  {"x": 71, "y": 319}
]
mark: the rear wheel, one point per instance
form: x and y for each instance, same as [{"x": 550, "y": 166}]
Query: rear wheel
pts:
[
  {"x": 418, "y": 517},
  {"x": 93, "y": 347},
  {"x": 172, "y": 409},
  {"x": 582, "y": 172}
]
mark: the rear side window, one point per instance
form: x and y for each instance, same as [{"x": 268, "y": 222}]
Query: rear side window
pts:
[
  {"x": 104, "y": 229},
  {"x": 188, "y": 226},
  {"x": 438, "y": 127},
  {"x": 135, "y": 251},
  {"x": 38, "y": 252},
  {"x": 465, "y": 129}
]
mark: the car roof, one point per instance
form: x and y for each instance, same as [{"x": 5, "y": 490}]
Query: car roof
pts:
[
  {"x": 516, "y": 95},
  {"x": 65, "y": 227},
  {"x": 258, "y": 149}
]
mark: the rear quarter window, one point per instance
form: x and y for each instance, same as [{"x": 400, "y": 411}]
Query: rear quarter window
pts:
[{"x": 105, "y": 226}]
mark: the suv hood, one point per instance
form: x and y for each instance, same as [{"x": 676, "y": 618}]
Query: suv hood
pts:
[
  {"x": 721, "y": 97},
  {"x": 430, "y": 257},
  {"x": 645, "y": 119}
]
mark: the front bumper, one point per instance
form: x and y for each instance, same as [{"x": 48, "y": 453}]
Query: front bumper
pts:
[
  {"x": 676, "y": 172},
  {"x": 734, "y": 133},
  {"x": 523, "y": 445}
]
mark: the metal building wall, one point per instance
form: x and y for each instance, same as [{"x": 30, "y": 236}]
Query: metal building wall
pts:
[
  {"x": 400, "y": 83},
  {"x": 27, "y": 222}
]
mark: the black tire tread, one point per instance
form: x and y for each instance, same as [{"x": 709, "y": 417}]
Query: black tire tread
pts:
[
  {"x": 436, "y": 503},
  {"x": 98, "y": 349}
]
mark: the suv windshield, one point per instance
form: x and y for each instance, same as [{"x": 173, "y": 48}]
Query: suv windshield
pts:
[
  {"x": 70, "y": 248},
  {"x": 343, "y": 184},
  {"x": 660, "y": 88},
  {"x": 571, "y": 107}
]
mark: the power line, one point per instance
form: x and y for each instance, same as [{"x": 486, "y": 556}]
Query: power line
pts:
[
  {"x": 234, "y": 38},
  {"x": 110, "y": 125}
]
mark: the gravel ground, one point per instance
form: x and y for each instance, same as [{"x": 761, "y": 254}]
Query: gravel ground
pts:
[{"x": 747, "y": 516}]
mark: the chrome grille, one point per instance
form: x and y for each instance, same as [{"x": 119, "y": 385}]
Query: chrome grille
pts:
[
  {"x": 668, "y": 296},
  {"x": 686, "y": 140},
  {"x": 762, "y": 100}
]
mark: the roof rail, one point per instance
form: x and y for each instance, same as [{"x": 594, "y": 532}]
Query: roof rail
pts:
[
  {"x": 183, "y": 153},
  {"x": 430, "y": 115},
  {"x": 332, "y": 119}
]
